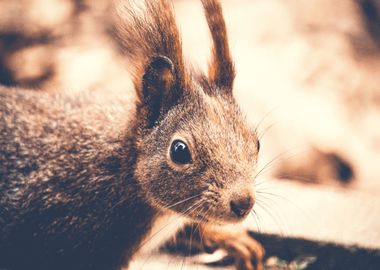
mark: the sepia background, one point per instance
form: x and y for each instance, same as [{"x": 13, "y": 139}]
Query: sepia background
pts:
[{"x": 308, "y": 75}]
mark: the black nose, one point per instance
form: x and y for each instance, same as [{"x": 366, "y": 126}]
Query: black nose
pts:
[{"x": 242, "y": 206}]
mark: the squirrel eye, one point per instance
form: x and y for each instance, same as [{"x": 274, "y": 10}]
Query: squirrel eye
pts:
[
  {"x": 258, "y": 146},
  {"x": 179, "y": 152}
]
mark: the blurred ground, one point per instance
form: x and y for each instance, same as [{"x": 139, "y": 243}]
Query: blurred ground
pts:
[
  {"x": 307, "y": 74},
  {"x": 323, "y": 215}
]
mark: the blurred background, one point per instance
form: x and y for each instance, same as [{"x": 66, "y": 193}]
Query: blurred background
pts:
[{"x": 308, "y": 75}]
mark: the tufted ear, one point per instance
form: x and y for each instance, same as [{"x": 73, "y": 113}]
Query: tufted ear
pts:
[
  {"x": 160, "y": 89},
  {"x": 221, "y": 67}
]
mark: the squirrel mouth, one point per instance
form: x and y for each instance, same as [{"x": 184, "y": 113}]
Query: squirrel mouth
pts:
[
  {"x": 209, "y": 215},
  {"x": 206, "y": 209}
]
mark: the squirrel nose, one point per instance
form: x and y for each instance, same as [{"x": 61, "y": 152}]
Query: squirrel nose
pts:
[{"x": 242, "y": 205}]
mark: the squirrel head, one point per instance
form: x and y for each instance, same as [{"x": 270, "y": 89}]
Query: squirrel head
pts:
[{"x": 196, "y": 153}]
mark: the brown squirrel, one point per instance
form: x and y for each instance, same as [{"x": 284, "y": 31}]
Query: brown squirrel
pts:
[{"x": 84, "y": 179}]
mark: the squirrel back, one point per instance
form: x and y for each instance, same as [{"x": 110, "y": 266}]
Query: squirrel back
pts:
[
  {"x": 62, "y": 187},
  {"x": 83, "y": 179}
]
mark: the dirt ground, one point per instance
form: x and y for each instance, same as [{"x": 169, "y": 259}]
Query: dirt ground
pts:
[{"x": 307, "y": 76}]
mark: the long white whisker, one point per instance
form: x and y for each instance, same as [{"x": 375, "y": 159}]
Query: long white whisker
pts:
[
  {"x": 279, "y": 196},
  {"x": 182, "y": 201},
  {"x": 185, "y": 213},
  {"x": 266, "y": 130},
  {"x": 256, "y": 218},
  {"x": 266, "y": 208},
  {"x": 257, "y": 125},
  {"x": 275, "y": 159}
]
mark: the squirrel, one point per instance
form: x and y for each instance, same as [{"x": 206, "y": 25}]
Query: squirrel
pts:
[{"x": 85, "y": 178}]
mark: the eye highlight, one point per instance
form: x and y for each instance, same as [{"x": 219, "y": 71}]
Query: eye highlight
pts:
[{"x": 179, "y": 152}]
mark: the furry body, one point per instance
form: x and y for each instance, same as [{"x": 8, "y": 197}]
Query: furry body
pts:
[
  {"x": 62, "y": 187},
  {"x": 83, "y": 180}
]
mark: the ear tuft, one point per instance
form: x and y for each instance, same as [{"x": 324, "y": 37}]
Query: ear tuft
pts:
[{"x": 221, "y": 67}]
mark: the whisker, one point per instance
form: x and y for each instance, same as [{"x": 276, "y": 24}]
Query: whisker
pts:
[
  {"x": 185, "y": 213},
  {"x": 274, "y": 195},
  {"x": 279, "y": 196},
  {"x": 191, "y": 240},
  {"x": 276, "y": 159},
  {"x": 266, "y": 209},
  {"x": 256, "y": 218},
  {"x": 259, "y": 183},
  {"x": 201, "y": 232},
  {"x": 182, "y": 201},
  {"x": 191, "y": 235},
  {"x": 260, "y": 137},
  {"x": 257, "y": 125}
]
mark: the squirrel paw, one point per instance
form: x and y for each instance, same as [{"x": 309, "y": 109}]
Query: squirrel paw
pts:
[
  {"x": 247, "y": 253},
  {"x": 237, "y": 244}
]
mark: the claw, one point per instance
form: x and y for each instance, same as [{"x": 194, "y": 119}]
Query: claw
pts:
[{"x": 245, "y": 251}]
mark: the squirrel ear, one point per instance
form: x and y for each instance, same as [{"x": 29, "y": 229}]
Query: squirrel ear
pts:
[
  {"x": 158, "y": 88},
  {"x": 221, "y": 67}
]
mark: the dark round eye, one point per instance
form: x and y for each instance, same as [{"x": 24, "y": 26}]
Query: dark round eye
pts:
[
  {"x": 258, "y": 146},
  {"x": 179, "y": 152}
]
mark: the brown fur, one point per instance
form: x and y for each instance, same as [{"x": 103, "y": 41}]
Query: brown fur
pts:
[
  {"x": 83, "y": 179},
  {"x": 221, "y": 67},
  {"x": 154, "y": 34}
]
